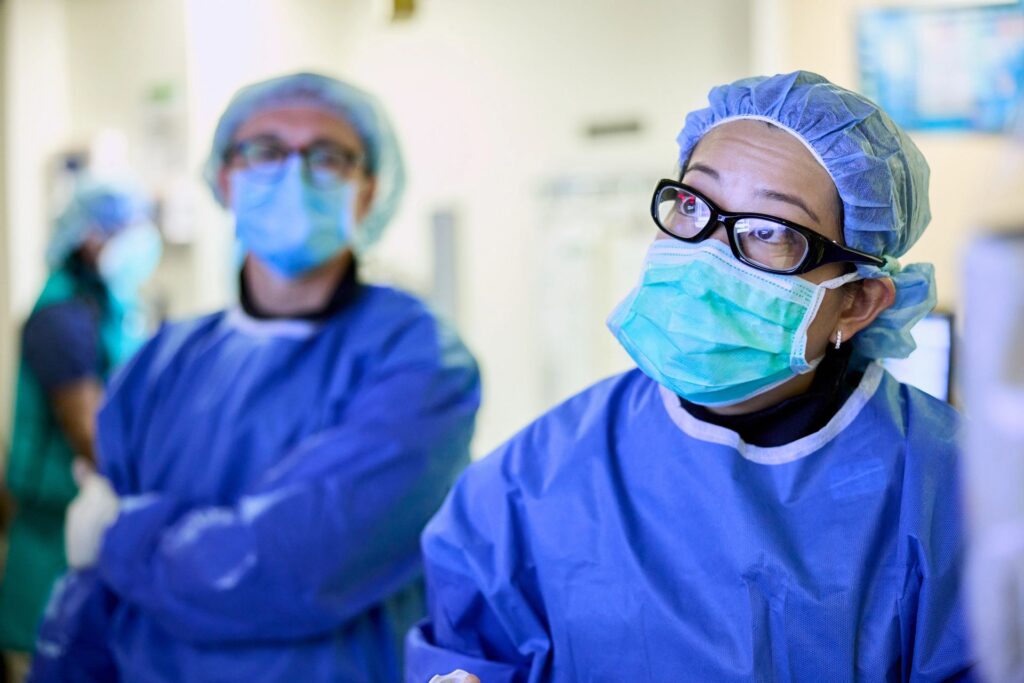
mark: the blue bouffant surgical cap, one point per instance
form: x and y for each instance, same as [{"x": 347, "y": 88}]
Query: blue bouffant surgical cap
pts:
[
  {"x": 358, "y": 108},
  {"x": 881, "y": 176},
  {"x": 97, "y": 206}
]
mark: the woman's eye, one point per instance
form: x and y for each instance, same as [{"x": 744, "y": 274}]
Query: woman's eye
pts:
[{"x": 772, "y": 235}]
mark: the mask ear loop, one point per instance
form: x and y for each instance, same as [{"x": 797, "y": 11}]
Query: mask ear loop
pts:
[
  {"x": 797, "y": 357},
  {"x": 836, "y": 283}
]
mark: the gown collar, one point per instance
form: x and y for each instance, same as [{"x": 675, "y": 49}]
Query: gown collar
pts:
[
  {"x": 344, "y": 294},
  {"x": 248, "y": 318},
  {"x": 797, "y": 416},
  {"x": 273, "y": 328},
  {"x": 777, "y": 455}
]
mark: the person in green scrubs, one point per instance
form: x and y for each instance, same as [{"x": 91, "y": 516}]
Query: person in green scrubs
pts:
[{"x": 86, "y": 322}]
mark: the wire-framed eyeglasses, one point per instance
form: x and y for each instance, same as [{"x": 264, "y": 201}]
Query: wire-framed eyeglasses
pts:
[{"x": 326, "y": 164}]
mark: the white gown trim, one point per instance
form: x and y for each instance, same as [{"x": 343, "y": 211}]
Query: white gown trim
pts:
[
  {"x": 275, "y": 328},
  {"x": 777, "y": 455}
]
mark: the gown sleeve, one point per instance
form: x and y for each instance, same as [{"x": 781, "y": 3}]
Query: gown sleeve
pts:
[
  {"x": 485, "y": 610},
  {"x": 72, "y": 645},
  {"x": 328, "y": 532},
  {"x": 932, "y": 611}
]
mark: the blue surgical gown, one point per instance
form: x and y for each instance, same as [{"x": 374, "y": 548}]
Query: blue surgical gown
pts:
[
  {"x": 275, "y": 476},
  {"x": 618, "y": 538}
]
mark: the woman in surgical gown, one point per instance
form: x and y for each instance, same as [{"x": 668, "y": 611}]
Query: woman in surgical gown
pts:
[
  {"x": 267, "y": 469},
  {"x": 760, "y": 500}
]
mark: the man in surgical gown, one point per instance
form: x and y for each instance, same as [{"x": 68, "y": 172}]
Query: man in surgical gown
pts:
[
  {"x": 747, "y": 505},
  {"x": 266, "y": 470}
]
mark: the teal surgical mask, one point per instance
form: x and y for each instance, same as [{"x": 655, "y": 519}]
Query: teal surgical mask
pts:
[
  {"x": 128, "y": 258},
  {"x": 290, "y": 224},
  {"x": 713, "y": 330}
]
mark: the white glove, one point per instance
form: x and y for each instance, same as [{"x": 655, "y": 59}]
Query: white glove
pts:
[
  {"x": 93, "y": 510},
  {"x": 457, "y": 676}
]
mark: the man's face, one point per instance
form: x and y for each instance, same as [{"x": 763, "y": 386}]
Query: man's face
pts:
[{"x": 297, "y": 128}]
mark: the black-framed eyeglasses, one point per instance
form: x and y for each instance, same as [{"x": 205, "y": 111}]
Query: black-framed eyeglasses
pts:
[
  {"x": 325, "y": 164},
  {"x": 765, "y": 242}
]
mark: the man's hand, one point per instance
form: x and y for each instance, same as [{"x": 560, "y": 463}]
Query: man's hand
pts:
[{"x": 93, "y": 510}]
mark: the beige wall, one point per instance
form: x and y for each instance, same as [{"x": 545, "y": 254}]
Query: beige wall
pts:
[
  {"x": 968, "y": 169},
  {"x": 35, "y": 123},
  {"x": 7, "y": 349},
  {"x": 117, "y": 52}
]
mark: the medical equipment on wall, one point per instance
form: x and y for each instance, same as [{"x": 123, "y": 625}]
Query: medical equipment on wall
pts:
[
  {"x": 929, "y": 367},
  {"x": 595, "y": 232}
]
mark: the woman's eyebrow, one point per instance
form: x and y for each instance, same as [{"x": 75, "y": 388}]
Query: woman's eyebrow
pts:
[
  {"x": 762, "y": 192},
  {"x": 703, "y": 168},
  {"x": 789, "y": 199}
]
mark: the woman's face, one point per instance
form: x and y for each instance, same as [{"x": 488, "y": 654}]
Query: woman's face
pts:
[{"x": 750, "y": 166}]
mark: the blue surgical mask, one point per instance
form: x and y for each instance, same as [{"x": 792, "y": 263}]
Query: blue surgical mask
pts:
[
  {"x": 289, "y": 224},
  {"x": 713, "y": 330},
  {"x": 128, "y": 258}
]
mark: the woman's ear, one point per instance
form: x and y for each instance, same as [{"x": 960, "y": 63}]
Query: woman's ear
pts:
[{"x": 866, "y": 302}]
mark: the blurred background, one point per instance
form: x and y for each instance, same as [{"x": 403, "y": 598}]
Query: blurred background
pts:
[{"x": 534, "y": 132}]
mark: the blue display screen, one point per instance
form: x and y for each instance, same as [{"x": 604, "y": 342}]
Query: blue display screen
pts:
[{"x": 954, "y": 69}]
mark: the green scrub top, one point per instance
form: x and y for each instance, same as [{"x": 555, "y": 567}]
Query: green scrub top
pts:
[{"x": 39, "y": 462}]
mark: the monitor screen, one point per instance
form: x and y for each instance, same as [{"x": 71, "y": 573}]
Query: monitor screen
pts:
[
  {"x": 956, "y": 68},
  {"x": 929, "y": 367}
]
